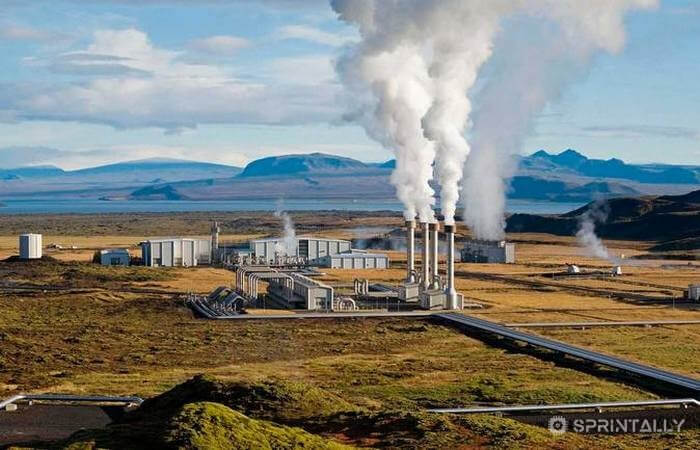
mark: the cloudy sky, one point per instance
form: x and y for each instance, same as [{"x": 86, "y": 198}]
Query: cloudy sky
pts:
[{"x": 90, "y": 82}]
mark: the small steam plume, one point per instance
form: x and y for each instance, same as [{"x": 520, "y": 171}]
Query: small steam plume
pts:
[
  {"x": 587, "y": 238},
  {"x": 419, "y": 64},
  {"x": 288, "y": 245}
]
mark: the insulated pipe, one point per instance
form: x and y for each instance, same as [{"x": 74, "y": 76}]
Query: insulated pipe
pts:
[
  {"x": 450, "y": 292},
  {"x": 410, "y": 251},
  {"x": 434, "y": 228},
  {"x": 426, "y": 255}
]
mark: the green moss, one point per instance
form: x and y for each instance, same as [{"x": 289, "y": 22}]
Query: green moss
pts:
[
  {"x": 278, "y": 400},
  {"x": 504, "y": 433},
  {"x": 208, "y": 425}
]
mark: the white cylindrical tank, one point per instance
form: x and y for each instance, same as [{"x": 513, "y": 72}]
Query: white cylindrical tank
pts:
[{"x": 30, "y": 246}]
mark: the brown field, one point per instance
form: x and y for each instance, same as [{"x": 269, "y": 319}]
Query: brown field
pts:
[{"x": 112, "y": 340}]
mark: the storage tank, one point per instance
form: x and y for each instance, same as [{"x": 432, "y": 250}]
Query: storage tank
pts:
[{"x": 30, "y": 246}]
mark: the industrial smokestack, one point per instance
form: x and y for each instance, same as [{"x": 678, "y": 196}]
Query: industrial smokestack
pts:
[
  {"x": 450, "y": 291},
  {"x": 426, "y": 255},
  {"x": 410, "y": 251},
  {"x": 434, "y": 228}
]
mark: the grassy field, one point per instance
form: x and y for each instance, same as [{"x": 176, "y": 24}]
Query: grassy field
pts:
[{"x": 103, "y": 334}]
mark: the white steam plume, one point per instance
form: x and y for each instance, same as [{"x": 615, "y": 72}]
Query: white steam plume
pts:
[
  {"x": 288, "y": 245},
  {"x": 524, "y": 76},
  {"x": 418, "y": 60},
  {"x": 586, "y": 236}
]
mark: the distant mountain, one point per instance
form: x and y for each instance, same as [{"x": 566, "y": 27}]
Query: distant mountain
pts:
[
  {"x": 98, "y": 181},
  {"x": 301, "y": 164},
  {"x": 672, "y": 220},
  {"x": 166, "y": 192},
  {"x": 568, "y": 176},
  {"x": 579, "y": 164},
  {"x": 162, "y": 168},
  {"x": 30, "y": 172}
]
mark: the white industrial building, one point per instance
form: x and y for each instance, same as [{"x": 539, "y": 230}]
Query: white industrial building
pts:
[
  {"x": 300, "y": 292},
  {"x": 355, "y": 260},
  {"x": 115, "y": 257},
  {"x": 176, "y": 252},
  {"x": 490, "y": 252},
  {"x": 310, "y": 248},
  {"x": 693, "y": 292},
  {"x": 30, "y": 246}
]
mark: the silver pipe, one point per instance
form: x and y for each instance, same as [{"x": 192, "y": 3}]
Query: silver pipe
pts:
[
  {"x": 70, "y": 398},
  {"x": 411, "y": 251},
  {"x": 434, "y": 228},
  {"x": 684, "y": 402},
  {"x": 426, "y": 255},
  {"x": 450, "y": 291}
]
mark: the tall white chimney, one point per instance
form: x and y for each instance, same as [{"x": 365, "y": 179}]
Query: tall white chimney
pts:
[
  {"x": 410, "y": 251},
  {"x": 426, "y": 255},
  {"x": 450, "y": 291},
  {"x": 434, "y": 228}
]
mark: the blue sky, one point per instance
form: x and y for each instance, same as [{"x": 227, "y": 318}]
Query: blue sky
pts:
[{"x": 91, "y": 82}]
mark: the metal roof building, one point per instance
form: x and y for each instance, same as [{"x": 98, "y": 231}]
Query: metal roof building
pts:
[
  {"x": 490, "y": 252},
  {"x": 355, "y": 260},
  {"x": 298, "y": 291},
  {"x": 176, "y": 252},
  {"x": 30, "y": 246},
  {"x": 311, "y": 248},
  {"x": 115, "y": 257}
]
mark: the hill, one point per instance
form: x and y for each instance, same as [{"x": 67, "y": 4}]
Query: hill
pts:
[
  {"x": 100, "y": 181},
  {"x": 565, "y": 177},
  {"x": 671, "y": 220},
  {"x": 302, "y": 164}
]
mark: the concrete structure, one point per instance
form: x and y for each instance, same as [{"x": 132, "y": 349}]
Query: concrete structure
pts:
[
  {"x": 425, "y": 272},
  {"x": 215, "y": 230},
  {"x": 491, "y": 252},
  {"x": 300, "y": 292},
  {"x": 115, "y": 257},
  {"x": 693, "y": 292},
  {"x": 309, "y": 248},
  {"x": 176, "y": 252},
  {"x": 411, "y": 251},
  {"x": 355, "y": 260},
  {"x": 30, "y": 246}
]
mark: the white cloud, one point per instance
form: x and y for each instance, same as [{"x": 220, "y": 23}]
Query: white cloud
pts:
[
  {"x": 219, "y": 45},
  {"x": 11, "y": 32},
  {"x": 311, "y": 34},
  {"x": 136, "y": 84}
]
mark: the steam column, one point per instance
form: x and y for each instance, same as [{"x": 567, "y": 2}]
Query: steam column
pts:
[
  {"x": 426, "y": 255},
  {"x": 434, "y": 228},
  {"x": 450, "y": 292},
  {"x": 411, "y": 251}
]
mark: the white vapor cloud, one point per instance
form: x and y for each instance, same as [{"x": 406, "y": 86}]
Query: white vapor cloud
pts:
[
  {"x": 219, "y": 45},
  {"x": 312, "y": 34}
]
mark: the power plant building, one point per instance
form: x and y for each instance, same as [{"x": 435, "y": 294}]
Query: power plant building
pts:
[
  {"x": 355, "y": 260},
  {"x": 115, "y": 257},
  {"x": 30, "y": 246},
  {"x": 693, "y": 292},
  {"x": 300, "y": 292},
  {"x": 176, "y": 252},
  {"x": 488, "y": 252},
  {"x": 310, "y": 248}
]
